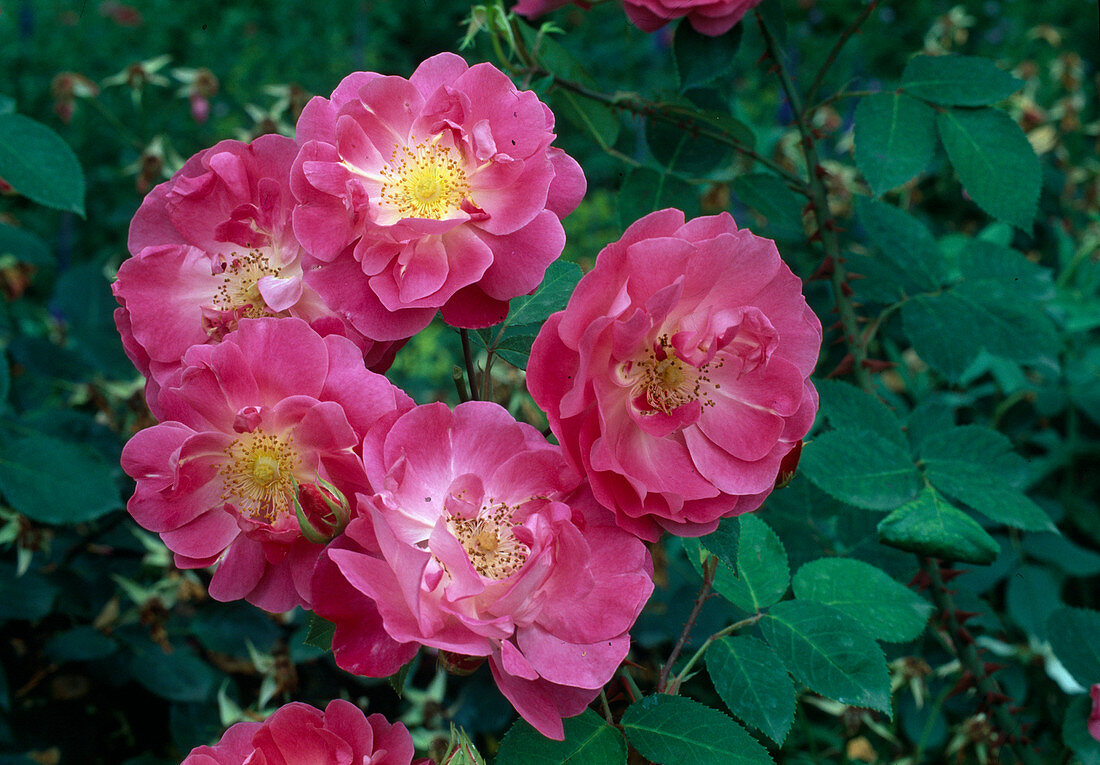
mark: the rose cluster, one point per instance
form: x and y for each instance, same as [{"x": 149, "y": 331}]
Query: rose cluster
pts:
[{"x": 271, "y": 285}]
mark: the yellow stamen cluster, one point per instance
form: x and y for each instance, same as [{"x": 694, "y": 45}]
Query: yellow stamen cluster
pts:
[
  {"x": 668, "y": 381},
  {"x": 239, "y": 291},
  {"x": 425, "y": 180},
  {"x": 257, "y": 475},
  {"x": 488, "y": 540}
]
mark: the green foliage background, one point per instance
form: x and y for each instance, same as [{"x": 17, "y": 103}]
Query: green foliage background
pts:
[{"x": 984, "y": 308}]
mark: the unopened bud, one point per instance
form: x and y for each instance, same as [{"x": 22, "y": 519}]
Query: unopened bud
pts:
[
  {"x": 322, "y": 511},
  {"x": 461, "y": 751},
  {"x": 459, "y": 664}
]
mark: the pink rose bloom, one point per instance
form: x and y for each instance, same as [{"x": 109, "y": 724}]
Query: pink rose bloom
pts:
[
  {"x": 709, "y": 17},
  {"x": 211, "y": 246},
  {"x": 479, "y": 544},
  {"x": 1094, "y": 717},
  {"x": 273, "y": 413},
  {"x": 436, "y": 192},
  {"x": 298, "y": 733},
  {"x": 677, "y": 378}
]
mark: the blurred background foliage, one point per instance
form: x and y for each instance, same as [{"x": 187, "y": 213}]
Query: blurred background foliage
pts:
[{"x": 108, "y": 654}]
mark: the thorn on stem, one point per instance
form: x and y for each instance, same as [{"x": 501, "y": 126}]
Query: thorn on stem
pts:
[
  {"x": 824, "y": 271},
  {"x": 843, "y": 368},
  {"x": 877, "y": 365}
]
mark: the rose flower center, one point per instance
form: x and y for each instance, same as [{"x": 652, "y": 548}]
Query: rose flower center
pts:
[
  {"x": 488, "y": 541},
  {"x": 239, "y": 291},
  {"x": 425, "y": 180},
  {"x": 660, "y": 381},
  {"x": 257, "y": 476}
]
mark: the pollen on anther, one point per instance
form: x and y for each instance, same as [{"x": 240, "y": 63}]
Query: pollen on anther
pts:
[
  {"x": 488, "y": 540},
  {"x": 425, "y": 180},
  {"x": 239, "y": 291},
  {"x": 258, "y": 475}
]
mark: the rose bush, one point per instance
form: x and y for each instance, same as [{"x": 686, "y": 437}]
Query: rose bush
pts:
[
  {"x": 677, "y": 378},
  {"x": 479, "y": 543}
]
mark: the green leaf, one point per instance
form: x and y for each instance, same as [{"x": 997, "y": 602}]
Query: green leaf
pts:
[
  {"x": 830, "y": 652},
  {"x": 995, "y": 163},
  {"x": 552, "y": 295},
  {"x": 1075, "y": 731},
  {"x": 1055, "y": 550},
  {"x": 320, "y": 632},
  {"x": 24, "y": 246},
  {"x": 1031, "y": 597},
  {"x": 958, "y": 80},
  {"x": 887, "y": 609},
  {"x": 228, "y": 628},
  {"x": 1001, "y": 273},
  {"x": 83, "y": 298},
  {"x": 177, "y": 676},
  {"x": 930, "y": 526},
  {"x": 512, "y": 338},
  {"x": 589, "y": 740},
  {"x": 895, "y": 138},
  {"x": 974, "y": 323},
  {"x": 597, "y": 120},
  {"x": 762, "y": 571},
  {"x": 515, "y": 347},
  {"x": 30, "y": 596},
  {"x": 1072, "y": 633},
  {"x": 672, "y": 730},
  {"x": 861, "y": 468},
  {"x": 682, "y": 147},
  {"x": 771, "y": 198},
  {"x": 977, "y": 466},
  {"x": 722, "y": 542},
  {"x": 645, "y": 190},
  {"x": 84, "y": 643},
  {"x": 399, "y": 678},
  {"x": 753, "y": 682},
  {"x": 54, "y": 481},
  {"x": 5, "y": 379},
  {"x": 701, "y": 59},
  {"x": 39, "y": 164},
  {"x": 846, "y": 406},
  {"x": 904, "y": 242},
  {"x": 725, "y": 582}
]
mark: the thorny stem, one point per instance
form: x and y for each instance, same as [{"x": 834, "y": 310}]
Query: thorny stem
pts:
[
  {"x": 471, "y": 370},
  {"x": 841, "y": 41},
  {"x": 736, "y": 626},
  {"x": 968, "y": 655},
  {"x": 631, "y": 686},
  {"x": 606, "y": 707},
  {"x": 842, "y": 94},
  {"x": 652, "y": 110},
  {"x": 460, "y": 384},
  {"x": 826, "y": 225},
  {"x": 710, "y": 566}
]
